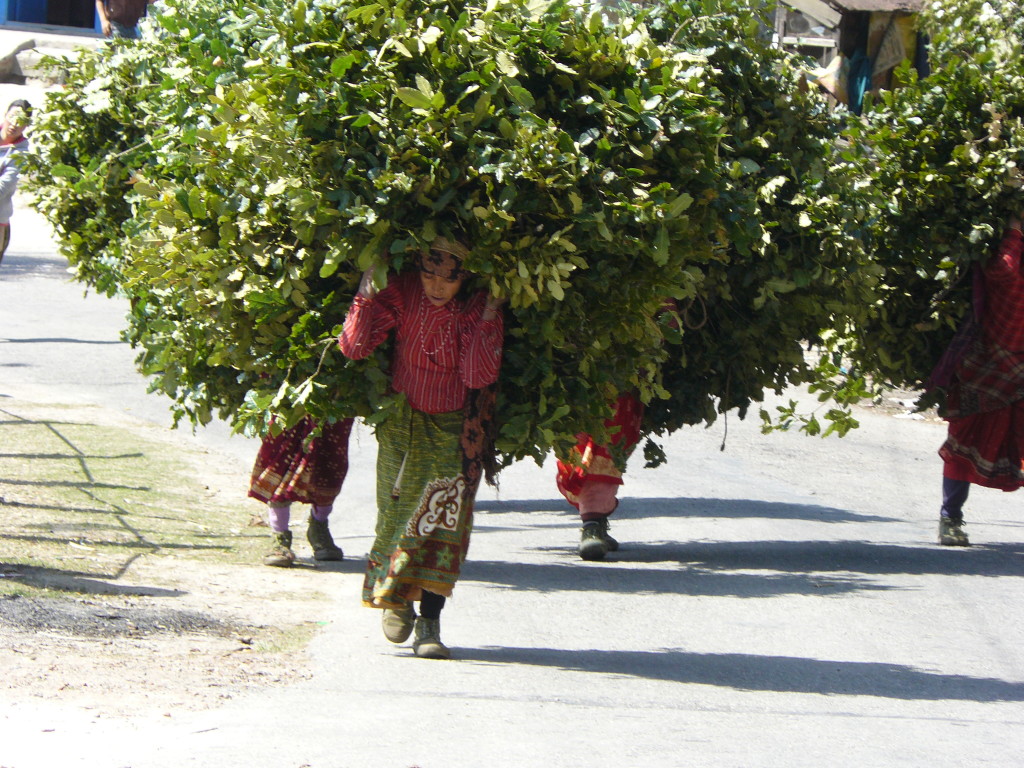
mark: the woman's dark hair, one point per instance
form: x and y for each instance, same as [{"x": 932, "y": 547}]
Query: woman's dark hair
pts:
[{"x": 19, "y": 103}]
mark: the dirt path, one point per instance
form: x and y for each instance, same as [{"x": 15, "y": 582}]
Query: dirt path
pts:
[
  {"x": 119, "y": 596},
  {"x": 197, "y": 645}
]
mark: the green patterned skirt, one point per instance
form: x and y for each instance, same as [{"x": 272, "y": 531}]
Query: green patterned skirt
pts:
[{"x": 428, "y": 472}]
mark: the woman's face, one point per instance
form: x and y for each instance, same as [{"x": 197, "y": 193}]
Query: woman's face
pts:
[
  {"x": 13, "y": 127},
  {"x": 442, "y": 276}
]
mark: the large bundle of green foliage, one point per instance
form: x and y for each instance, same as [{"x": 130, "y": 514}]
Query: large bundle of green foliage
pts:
[
  {"x": 791, "y": 263},
  {"x": 944, "y": 155},
  {"x": 236, "y": 171}
]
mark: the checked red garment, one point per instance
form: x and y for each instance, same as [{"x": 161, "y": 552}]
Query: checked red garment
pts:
[
  {"x": 985, "y": 405},
  {"x": 292, "y": 467}
]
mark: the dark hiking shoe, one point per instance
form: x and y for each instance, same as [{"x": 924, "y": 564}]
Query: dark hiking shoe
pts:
[
  {"x": 397, "y": 624},
  {"x": 951, "y": 533},
  {"x": 321, "y": 541},
  {"x": 427, "y": 644},
  {"x": 613, "y": 545},
  {"x": 593, "y": 545},
  {"x": 281, "y": 556}
]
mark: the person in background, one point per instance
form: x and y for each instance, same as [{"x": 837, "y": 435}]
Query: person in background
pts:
[
  {"x": 120, "y": 18},
  {"x": 985, "y": 402},
  {"x": 431, "y": 450},
  {"x": 590, "y": 480},
  {"x": 294, "y": 467},
  {"x": 12, "y": 144}
]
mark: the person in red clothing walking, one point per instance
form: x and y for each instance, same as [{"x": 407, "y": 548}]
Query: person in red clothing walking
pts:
[
  {"x": 591, "y": 477},
  {"x": 294, "y": 467},
  {"x": 431, "y": 450},
  {"x": 590, "y": 480},
  {"x": 985, "y": 402}
]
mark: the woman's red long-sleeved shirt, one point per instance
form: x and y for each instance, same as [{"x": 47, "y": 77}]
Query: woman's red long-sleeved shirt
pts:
[{"x": 440, "y": 352}]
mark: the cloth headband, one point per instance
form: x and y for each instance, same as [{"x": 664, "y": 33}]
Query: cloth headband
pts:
[{"x": 445, "y": 259}]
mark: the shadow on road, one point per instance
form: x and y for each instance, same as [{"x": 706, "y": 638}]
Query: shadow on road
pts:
[
  {"x": 120, "y": 546},
  {"x": 59, "y": 456},
  {"x": 745, "y": 672},
  {"x": 88, "y": 619},
  {"x": 59, "y": 341},
  {"x": 609, "y": 577},
  {"x": 749, "y": 568},
  {"x": 731, "y": 509},
  {"x": 850, "y": 556},
  {"x": 20, "y": 266},
  {"x": 77, "y": 484}
]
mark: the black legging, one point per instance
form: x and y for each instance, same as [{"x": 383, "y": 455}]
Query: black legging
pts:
[{"x": 431, "y": 605}]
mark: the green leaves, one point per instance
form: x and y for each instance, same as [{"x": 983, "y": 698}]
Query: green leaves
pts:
[
  {"x": 420, "y": 99},
  {"x": 599, "y": 171},
  {"x": 940, "y": 156}
]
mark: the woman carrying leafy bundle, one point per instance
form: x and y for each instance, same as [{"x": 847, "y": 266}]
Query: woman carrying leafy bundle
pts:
[
  {"x": 985, "y": 403},
  {"x": 430, "y": 452},
  {"x": 591, "y": 476},
  {"x": 590, "y": 480},
  {"x": 296, "y": 466}
]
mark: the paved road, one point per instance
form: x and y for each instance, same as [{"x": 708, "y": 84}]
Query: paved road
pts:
[{"x": 781, "y": 603}]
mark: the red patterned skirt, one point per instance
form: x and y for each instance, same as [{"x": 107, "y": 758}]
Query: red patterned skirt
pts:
[
  {"x": 987, "y": 448},
  {"x": 292, "y": 467},
  {"x": 592, "y": 462},
  {"x": 985, "y": 409}
]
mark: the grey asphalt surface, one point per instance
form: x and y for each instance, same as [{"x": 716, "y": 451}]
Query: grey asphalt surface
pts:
[{"x": 781, "y": 603}]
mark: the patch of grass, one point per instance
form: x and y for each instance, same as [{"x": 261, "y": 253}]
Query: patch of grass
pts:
[
  {"x": 88, "y": 499},
  {"x": 285, "y": 639}
]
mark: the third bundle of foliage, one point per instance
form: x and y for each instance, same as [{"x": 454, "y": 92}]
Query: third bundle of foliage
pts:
[{"x": 944, "y": 155}]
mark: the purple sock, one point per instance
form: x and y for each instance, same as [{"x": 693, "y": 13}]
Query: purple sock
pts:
[
  {"x": 279, "y": 516},
  {"x": 322, "y": 513}
]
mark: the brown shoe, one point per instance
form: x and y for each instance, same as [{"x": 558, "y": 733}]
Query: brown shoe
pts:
[
  {"x": 281, "y": 556},
  {"x": 427, "y": 644},
  {"x": 397, "y": 624},
  {"x": 320, "y": 539}
]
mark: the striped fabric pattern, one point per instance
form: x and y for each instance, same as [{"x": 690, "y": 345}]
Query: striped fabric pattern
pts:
[{"x": 439, "y": 352}]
